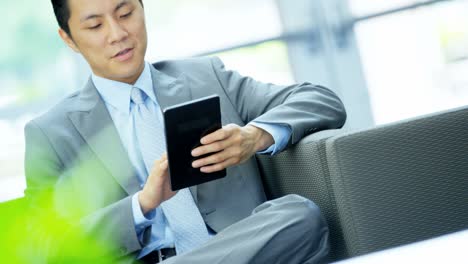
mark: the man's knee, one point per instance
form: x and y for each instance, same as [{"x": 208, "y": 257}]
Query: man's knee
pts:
[
  {"x": 306, "y": 213},
  {"x": 301, "y": 222},
  {"x": 298, "y": 211},
  {"x": 309, "y": 225}
]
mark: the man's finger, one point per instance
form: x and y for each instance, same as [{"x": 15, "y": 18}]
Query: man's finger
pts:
[
  {"x": 219, "y": 134},
  {"x": 210, "y": 148},
  {"x": 218, "y": 166},
  {"x": 164, "y": 165},
  {"x": 216, "y": 158}
]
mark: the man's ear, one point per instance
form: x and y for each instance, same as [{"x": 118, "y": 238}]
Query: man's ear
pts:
[{"x": 68, "y": 40}]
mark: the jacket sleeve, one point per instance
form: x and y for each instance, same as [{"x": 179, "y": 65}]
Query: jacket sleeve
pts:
[
  {"x": 113, "y": 224},
  {"x": 305, "y": 108}
]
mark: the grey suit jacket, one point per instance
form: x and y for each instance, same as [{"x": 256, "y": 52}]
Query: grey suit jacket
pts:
[{"x": 74, "y": 149}]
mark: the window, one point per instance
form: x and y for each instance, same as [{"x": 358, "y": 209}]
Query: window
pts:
[
  {"x": 36, "y": 70},
  {"x": 187, "y": 28},
  {"x": 415, "y": 61},
  {"x": 367, "y": 7}
]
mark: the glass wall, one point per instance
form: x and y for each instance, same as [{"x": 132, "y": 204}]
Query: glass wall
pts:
[
  {"x": 36, "y": 70},
  {"x": 368, "y": 7},
  {"x": 186, "y": 28},
  {"x": 415, "y": 62}
]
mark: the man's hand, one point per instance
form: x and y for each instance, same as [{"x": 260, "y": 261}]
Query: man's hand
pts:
[
  {"x": 158, "y": 186},
  {"x": 232, "y": 145}
]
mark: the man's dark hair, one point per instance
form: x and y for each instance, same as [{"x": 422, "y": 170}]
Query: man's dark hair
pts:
[{"x": 62, "y": 13}]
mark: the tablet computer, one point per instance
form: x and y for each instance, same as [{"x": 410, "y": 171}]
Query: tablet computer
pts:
[{"x": 185, "y": 125}]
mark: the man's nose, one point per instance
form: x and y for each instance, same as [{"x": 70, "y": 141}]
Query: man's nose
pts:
[{"x": 117, "y": 32}]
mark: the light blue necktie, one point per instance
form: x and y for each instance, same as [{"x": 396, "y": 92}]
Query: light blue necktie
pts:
[{"x": 181, "y": 212}]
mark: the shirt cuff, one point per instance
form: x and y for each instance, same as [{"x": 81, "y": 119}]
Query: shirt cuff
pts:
[
  {"x": 280, "y": 134},
  {"x": 141, "y": 220}
]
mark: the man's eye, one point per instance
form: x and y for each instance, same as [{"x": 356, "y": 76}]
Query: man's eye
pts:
[
  {"x": 126, "y": 15},
  {"x": 95, "y": 27}
]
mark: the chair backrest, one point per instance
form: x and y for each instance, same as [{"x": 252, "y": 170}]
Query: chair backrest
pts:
[
  {"x": 402, "y": 182},
  {"x": 381, "y": 187},
  {"x": 303, "y": 170}
]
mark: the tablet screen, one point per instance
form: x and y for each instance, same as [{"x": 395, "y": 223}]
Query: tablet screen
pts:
[{"x": 185, "y": 125}]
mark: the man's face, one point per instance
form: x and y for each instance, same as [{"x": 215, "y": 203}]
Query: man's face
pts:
[{"x": 111, "y": 36}]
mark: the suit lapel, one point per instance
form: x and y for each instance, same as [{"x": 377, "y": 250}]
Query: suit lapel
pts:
[
  {"x": 171, "y": 91},
  {"x": 94, "y": 123}
]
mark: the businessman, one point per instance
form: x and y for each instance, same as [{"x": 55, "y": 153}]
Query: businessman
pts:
[{"x": 101, "y": 150}]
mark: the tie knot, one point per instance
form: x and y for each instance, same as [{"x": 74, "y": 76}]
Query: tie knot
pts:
[{"x": 138, "y": 96}]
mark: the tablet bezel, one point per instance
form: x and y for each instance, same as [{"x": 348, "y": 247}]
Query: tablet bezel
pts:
[{"x": 185, "y": 125}]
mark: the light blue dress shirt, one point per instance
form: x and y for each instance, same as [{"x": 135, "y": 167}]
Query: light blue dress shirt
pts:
[{"x": 116, "y": 96}]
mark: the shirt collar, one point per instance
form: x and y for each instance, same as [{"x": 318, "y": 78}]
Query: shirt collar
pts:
[{"x": 117, "y": 94}]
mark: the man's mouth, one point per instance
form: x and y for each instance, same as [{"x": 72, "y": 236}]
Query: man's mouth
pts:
[
  {"x": 124, "y": 55},
  {"x": 122, "y": 52}
]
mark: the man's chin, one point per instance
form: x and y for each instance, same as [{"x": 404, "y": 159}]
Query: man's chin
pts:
[{"x": 128, "y": 72}]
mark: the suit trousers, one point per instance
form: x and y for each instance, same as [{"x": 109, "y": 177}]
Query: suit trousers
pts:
[{"x": 288, "y": 230}]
